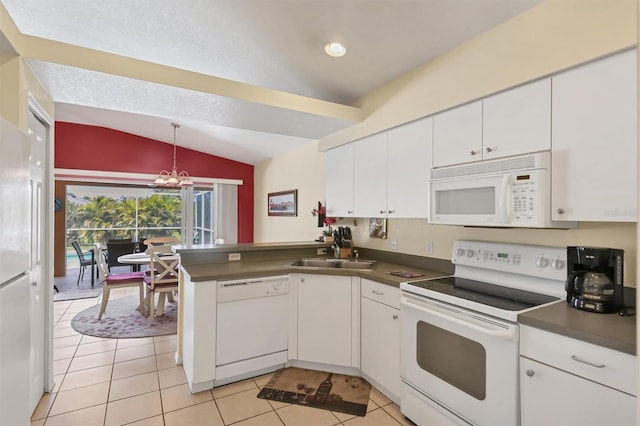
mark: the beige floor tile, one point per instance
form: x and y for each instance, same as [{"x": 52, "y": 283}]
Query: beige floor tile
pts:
[
  {"x": 172, "y": 337},
  {"x": 135, "y": 352},
  {"x": 61, "y": 324},
  {"x": 93, "y": 339},
  {"x": 37, "y": 423},
  {"x": 241, "y": 406},
  {"x": 277, "y": 404},
  {"x": 134, "y": 385},
  {"x": 64, "y": 353},
  {"x": 74, "y": 309},
  {"x": 64, "y": 332},
  {"x": 151, "y": 421},
  {"x": 379, "y": 398},
  {"x": 266, "y": 419},
  {"x": 62, "y": 342},
  {"x": 377, "y": 417},
  {"x": 167, "y": 360},
  {"x": 57, "y": 381},
  {"x": 298, "y": 415},
  {"x": 91, "y": 361},
  {"x": 200, "y": 414},
  {"x": 395, "y": 412},
  {"x": 165, "y": 347},
  {"x": 343, "y": 417},
  {"x": 86, "y": 417},
  {"x": 262, "y": 380},
  {"x": 90, "y": 376},
  {"x": 372, "y": 405},
  {"x": 42, "y": 409},
  {"x": 129, "y": 343},
  {"x": 61, "y": 366},
  {"x": 136, "y": 366},
  {"x": 77, "y": 399},
  {"x": 96, "y": 347},
  {"x": 180, "y": 396},
  {"x": 171, "y": 376},
  {"x": 133, "y": 409},
  {"x": 67, "y": 316},
  {"x": 232, "y": 388}
]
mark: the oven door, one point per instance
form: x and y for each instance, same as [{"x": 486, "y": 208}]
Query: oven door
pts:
[{"x": 464, "y": 361}]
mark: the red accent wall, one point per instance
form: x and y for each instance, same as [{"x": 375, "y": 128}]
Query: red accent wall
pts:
[{"x": 85, "y": 147}]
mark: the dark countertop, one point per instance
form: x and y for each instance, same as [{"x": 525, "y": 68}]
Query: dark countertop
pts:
[{"x": 608, "y": 330}]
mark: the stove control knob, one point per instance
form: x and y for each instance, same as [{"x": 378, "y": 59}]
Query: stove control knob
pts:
[
  {"x": 557, "y": 264},
  {"x": 542, "y": 262},
  {"x": 459, "y": 252},
  {"x": 470, "y": 253}
]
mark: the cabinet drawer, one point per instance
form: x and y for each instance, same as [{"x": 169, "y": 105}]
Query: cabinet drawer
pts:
[
  {"x": 608, "y": 367},
  {"x": 382, "y": 293}
]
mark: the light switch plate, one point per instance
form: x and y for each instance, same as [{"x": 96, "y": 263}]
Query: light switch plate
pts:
[{"x": 234, "y": 256}]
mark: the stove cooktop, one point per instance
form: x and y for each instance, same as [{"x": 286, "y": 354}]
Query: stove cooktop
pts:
[{"x": 496, "y": 296}]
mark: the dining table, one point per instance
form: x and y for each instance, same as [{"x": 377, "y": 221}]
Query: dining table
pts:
[{"x": 141, "y": 259}]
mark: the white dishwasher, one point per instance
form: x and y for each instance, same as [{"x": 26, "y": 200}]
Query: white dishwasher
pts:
[{"x": 252, "y": 325}]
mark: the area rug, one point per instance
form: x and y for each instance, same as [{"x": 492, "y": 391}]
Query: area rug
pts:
[
  {"x": 70, "y": 289},
  {"x": 318, "y": 389},
  {"x": 121, "y": 320}
]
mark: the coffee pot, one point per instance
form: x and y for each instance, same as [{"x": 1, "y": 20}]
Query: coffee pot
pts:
[{"x": 594, "y": 279}]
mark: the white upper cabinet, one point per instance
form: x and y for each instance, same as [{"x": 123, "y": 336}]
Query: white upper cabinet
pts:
[
  {"x": 340, "y": 181},
  {"x": 517, "y": 121},
  {"x": 410, "y": 157},
  {"x": 457, "y": 135},
  {"x": 370, "y": 176},
  {"x": 594, "y": 141}
]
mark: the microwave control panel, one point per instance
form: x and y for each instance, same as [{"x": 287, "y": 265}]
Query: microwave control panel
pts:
[{"x": 526, "y": 197}]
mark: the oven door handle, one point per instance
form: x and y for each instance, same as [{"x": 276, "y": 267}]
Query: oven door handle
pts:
[{"x": 490, "y": 328}]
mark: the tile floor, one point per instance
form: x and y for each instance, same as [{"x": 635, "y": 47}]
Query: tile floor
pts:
[{"x": 136, "y": 382}]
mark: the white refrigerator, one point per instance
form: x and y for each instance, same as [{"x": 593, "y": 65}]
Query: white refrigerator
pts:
[{"x": 15, "y": 244}]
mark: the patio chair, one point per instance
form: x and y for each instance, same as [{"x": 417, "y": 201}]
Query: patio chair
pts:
[
  {"x": 163, "y": 277},
  {"x": 86, "y": 258},
  {"x": 117, "y": 280}
]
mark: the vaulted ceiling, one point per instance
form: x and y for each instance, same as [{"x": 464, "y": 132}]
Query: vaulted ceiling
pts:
[{"x": 245, "y": 79}]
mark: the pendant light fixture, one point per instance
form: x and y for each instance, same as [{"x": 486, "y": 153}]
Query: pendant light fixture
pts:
[{"x": 173, "y": 179}]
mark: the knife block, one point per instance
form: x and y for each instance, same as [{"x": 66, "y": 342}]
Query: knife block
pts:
[{"x": 346, "y": 250}]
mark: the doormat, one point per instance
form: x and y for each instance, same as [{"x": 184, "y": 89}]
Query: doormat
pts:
[
  {"x": 318, "y": 389},
  {"x": 121, "y": 320}
]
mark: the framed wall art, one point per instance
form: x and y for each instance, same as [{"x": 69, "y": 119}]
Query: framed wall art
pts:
[{"x": 283, "y": 203}]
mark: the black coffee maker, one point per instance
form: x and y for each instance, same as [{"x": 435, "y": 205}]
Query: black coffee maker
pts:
[{"x": 594, "y": 279}]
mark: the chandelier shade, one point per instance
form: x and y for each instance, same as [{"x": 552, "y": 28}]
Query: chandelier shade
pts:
[{"x": 173, "y": 179}]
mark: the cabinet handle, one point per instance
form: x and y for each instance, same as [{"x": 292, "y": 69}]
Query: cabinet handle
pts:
[
  {"x": 391, "y": 211},
  {"x": 379, "y": 293},
  {"x": 560, "y": 211},
  {"x": 395, "y": 317},
  {"x": 472, "y": 152},
  {"x": 530, "y": 373},
  {"x": 576, "y": 359},
  {"x": 301, "y": 280},
  {"x": 382, "y": 212},
  {"x": 349, "y": 211},
  {"x": 489, "y": 149}
]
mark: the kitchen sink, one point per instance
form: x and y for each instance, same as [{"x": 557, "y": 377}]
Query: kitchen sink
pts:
[{"x": 364, "y": 265}]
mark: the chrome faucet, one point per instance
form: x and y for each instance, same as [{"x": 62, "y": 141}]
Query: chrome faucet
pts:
[{"x": 336, "y": 251}]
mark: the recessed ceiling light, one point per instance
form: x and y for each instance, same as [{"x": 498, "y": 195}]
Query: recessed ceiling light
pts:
[{"x": 335, "y": 49}]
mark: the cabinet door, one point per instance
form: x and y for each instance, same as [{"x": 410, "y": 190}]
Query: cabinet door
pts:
[
  {"x": 517, "y": 121},
  {"x": 594, "y": 141},
  {"x": 339, "y": 179},
  {"x": 553, "y": 397},
  {"x": 381, "y": 344},
  {"x": 457, "y": 135},
  {"x": 324, "y": 319},
  {"x": 370, "y": 176},
  {"x": 410, "y": 158}
]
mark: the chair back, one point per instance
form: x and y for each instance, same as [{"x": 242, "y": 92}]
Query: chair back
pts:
[
  {"x": 163, "y": 269},
  {"x": 119, "y": 240},
  {"x": 160, "y": 241},
  {"x": 115, "y": 250},
  {"x": 101, "y": 260},
  {"x": 78, "y": 249}
]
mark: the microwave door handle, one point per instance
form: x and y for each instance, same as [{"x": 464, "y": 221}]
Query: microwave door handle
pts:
[{"x": 504, "y": 203}]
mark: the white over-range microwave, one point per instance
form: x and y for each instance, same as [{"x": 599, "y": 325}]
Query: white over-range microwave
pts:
[{"x": 508, "y": 192}]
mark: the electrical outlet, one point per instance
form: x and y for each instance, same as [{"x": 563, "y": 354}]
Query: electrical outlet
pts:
[
  {"x": 394, "y": 244},
  {"x": 321, "y": 251},
  {"x": 234, "y": 256},
  {"x": 429, "y": 248}
]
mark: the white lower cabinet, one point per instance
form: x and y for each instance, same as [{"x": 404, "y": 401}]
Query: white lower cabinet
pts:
[
  {"x": 380, "y": 336},
  {"x": 567, "y": 382},
  {"x": 326, "y": 319}
]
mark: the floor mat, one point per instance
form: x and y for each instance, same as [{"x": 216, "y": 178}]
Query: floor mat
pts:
[
  {"x": 122, "y": 320},
  {"x": 318, "y": 389}
]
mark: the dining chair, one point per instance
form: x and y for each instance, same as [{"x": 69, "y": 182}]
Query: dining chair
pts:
[
  {"x": 117, "y": 249},
  {"x": 84, "y": 258},
  {"x": 117, "y": 280},
  {"x": 162, "y": 279}
]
